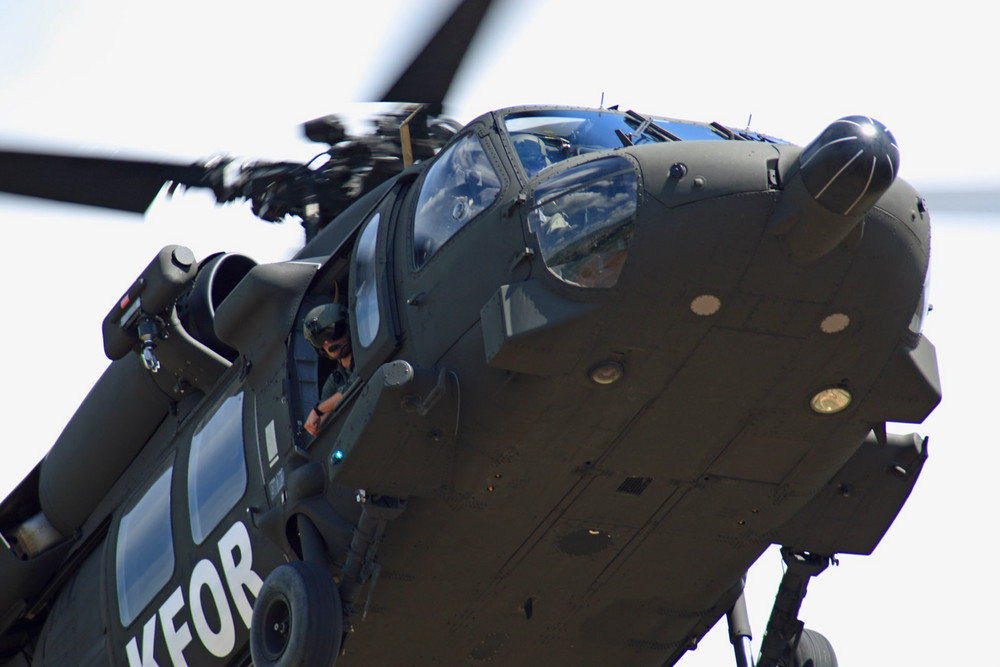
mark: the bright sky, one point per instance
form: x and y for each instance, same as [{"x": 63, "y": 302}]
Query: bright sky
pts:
[{"x": 189, "y": 79}]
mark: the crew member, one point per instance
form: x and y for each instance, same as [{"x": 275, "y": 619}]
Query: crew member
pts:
[{"x": 326, "y": 328}]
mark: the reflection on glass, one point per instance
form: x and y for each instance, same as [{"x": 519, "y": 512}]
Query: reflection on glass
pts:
[
  {"x": 544, "y": 137},
  {"x": 458, "y": 186},
  {"x": 144, "y": 556},
  {"x": 217, "y": 476},
  {"x": 366, "y": 301},
  {"x": 689, "y": 131},
  {"x": 583, "y": 219}
]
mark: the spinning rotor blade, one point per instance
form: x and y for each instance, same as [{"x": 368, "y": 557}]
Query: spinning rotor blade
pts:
[
  {"x": 125, "y": 185},
  {"x": 132, "y": 185},
  {"x": 429, "y": 76}
]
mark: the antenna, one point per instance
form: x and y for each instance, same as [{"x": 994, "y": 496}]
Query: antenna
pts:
[{"x": 748, "y": 121}]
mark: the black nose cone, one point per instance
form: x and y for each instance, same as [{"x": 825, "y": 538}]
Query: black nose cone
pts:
[{"x": 850, "y": 164}]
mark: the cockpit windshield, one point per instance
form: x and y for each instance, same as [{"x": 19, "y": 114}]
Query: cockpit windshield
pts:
[{"x": 543, "y": 137}]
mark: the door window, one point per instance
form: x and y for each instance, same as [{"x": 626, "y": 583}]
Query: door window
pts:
[{"x": 366, "y": 292}]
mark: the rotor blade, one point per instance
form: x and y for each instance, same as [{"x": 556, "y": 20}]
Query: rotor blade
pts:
[
  {"x": 962, "y": 200},
  {"x": 429, "y": 76},
  {"x": 125, "y": 185}
]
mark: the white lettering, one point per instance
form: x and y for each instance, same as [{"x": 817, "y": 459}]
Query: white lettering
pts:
[
  {"x": 148, "y": 640},
  {"x": 271, "y": 443},
  {"x": 239, "y": 574},
  {"x": 236, "y": 554},
  {"x": 177, "y": 637},
  {"x": 220, "y": 643}
]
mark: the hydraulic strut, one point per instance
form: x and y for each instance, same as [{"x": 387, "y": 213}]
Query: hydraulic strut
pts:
[
  {"x": 361, "y": 564},
  {"x": 784, "y": 627},
  {"x": 739, "y": 631}
]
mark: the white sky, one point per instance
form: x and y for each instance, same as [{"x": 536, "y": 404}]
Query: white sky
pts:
[{"x": 189, "y": 79}]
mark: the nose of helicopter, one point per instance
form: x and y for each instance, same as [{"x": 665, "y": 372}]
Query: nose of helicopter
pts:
[{"x": 684, "y": 235}]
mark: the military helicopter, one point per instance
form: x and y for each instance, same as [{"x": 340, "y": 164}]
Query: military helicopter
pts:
[{"x": 656, "y": 453}]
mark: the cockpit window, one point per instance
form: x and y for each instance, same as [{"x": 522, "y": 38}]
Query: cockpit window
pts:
[
  {"x": 544, "y": 137},
  {"x": 583, "y": 219},
  {"x": 217, "y": 471},
  {"x": 689, "y": 131},
  {"x": 144, "y": 556},
  {"x": 460, "y": 185}
]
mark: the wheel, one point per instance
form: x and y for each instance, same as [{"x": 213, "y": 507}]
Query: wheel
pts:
[
  {"x": 297, "y": 618},
  {"x": 814, "y": 650}
]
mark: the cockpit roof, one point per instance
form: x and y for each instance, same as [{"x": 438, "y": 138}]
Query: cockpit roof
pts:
[
  {"x": 672, "y": 129},
  {"x": 543, "y": 136}
]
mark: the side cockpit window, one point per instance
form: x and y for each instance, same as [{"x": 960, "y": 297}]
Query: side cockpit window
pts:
[
  {"x": 144, "y": 557},
  {"x": 460, "y": 185},
  {"x": 217, "y": 471}
]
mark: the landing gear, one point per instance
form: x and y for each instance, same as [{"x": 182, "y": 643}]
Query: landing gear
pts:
[
  {"x": 297, "y": 618},
  {"x": 814, "y": 650},
  {"x": 787, "y": 643},
  {"x": 739, "y": 631},
  {"x": 361, "y": 563},
  {"x": 302, "y": 614}
]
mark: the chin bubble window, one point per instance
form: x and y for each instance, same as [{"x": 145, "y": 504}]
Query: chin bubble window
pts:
[
  {"x": 460, "y": 185},
  {"x": 583, "y": 219}
]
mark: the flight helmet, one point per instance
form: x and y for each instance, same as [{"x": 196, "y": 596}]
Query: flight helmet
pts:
[{"x": 326, "y": 322}]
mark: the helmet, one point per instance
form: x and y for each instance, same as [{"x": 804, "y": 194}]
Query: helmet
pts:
[
  {"x": 532, "y": 151},
  {"x": 327, "y": 322}
]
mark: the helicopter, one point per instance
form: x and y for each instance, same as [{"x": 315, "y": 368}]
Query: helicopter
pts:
[{"x": 555, "y": 305}]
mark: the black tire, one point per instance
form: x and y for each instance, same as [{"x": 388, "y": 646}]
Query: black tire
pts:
[
  {"x": 297, "y": 618},
  {"x": 814, "y": 650}
]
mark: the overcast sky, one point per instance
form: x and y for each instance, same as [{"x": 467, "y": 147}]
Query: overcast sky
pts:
[{"x": 190, "y": 79}]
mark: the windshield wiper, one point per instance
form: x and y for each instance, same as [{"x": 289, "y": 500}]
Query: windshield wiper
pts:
[{"x": 645, "y": 126}]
